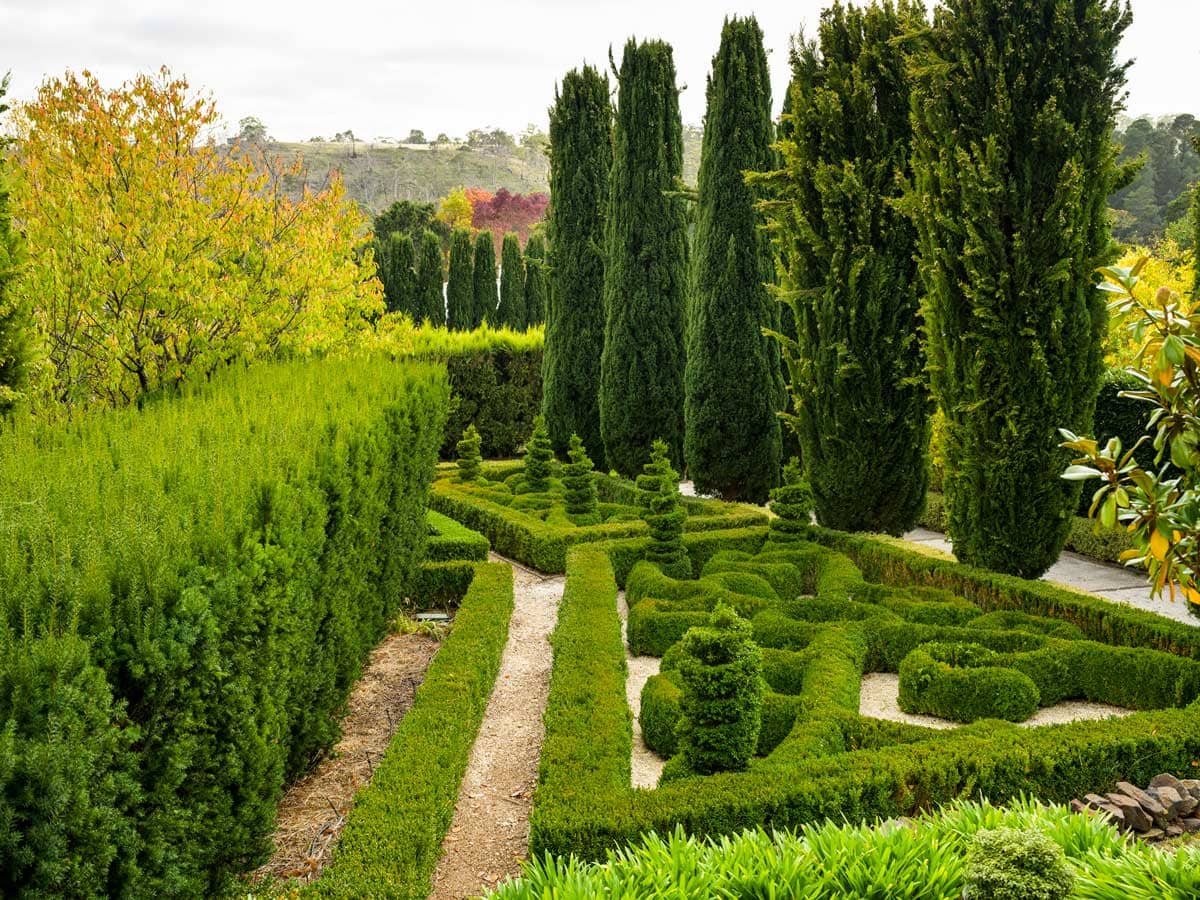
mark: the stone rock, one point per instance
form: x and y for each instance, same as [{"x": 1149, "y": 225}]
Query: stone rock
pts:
[
  {"x": 1190, "y": 824},
  {"x": 1170, "y": 799},
  {"x": 1115, "y": 813},
  {"x": 1166, "y": 780},
  {"x": 1077, "y": 806},
  {"x": 1174, "y": 830},
  {"x": 1154, "y": 834},
  {"x": 1095, "y": 801},
  {"x": 1135, "y": 817},
  {"x": 1148, "y": 803},
  {"x": 1192, "y": 785}
]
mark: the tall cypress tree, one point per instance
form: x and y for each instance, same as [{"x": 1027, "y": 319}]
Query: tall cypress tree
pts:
[
  {"x": 511, "y": 311},
  {"x": 856, "y": 366},
  {"x": 400, "y": 289},
  {"x": 484, "y": 308},
  {"x": 430, "y": 301},
  {"x": 460, "y": 288},
  {"x": 641, "y": 368},
  {"x": 535, "y": 280},
  {"x": 14, "y": 312},
  {"x": 732, "y": 386},
  {"x": 580, "y": 159},
  {"x": 1013, "y": 113}
]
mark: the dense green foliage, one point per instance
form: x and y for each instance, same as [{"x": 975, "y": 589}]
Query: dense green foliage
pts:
[
  {"x": 732, "y": 385},
  {"x": 664, "y": 515},
  {"x": 579, "y": 485},
  {"x": 393, "y": 838},
  {"x": 430, "y": 303},
  {"x": 449, "y": 540},
  {"x": 930, "y": 860},
  {"x": 539, "y": 457},
  {"x": 535, "y": 280},
  {"x": 580, "y": 159},
  {"x": 396, "y": 257},
  {"x": 1012, "y": 864},
  {"x": 511, "y": 311},
  {"x": 962, "y": 682},
  {"x": 189, "y": 592},
  {"x": 1155, "y": 202},
  {"x": 855, "y": 365},
  {"x": 484, "y": 308},
  {"x": 645, "y": 243},
  {"x": 460, "y": 289},
  {"x": 14, "y": 316},
  {"x": 498, "y": 388},
  {"x": 721, "y": 670},
  {"x": 412, "y": 218},
  {"x": 469, "y": 458},
  {"x": 1013, "y": 112}
]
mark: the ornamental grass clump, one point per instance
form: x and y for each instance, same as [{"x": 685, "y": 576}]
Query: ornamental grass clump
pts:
[
  {"x": 662, "y": 512},
  {"x": 469, "y": 460},
  {"x": 721, "y": 668},
  {"x": 582, "y": 507}
]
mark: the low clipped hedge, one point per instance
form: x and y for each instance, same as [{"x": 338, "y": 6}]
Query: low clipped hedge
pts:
[
  {"x": 449, "y": 540},
  {"x": 819, "y": 758},
  {"x": 187, "y": 594},
  {"x": 956, "y": 682},
  {"x": 394, "y": 833}
]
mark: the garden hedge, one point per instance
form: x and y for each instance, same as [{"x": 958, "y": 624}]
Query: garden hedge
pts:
[
  {"x": 394, "y": 833},
  {"x": 187, "y": 593},
  {"x": 818, "y": 757},
  {"x": 448, "y": 540}
]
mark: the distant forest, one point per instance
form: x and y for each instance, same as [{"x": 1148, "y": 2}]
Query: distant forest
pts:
[{"x": 1155, "y": 204}]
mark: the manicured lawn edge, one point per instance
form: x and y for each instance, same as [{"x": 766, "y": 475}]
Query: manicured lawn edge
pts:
[{"x": 393, "y": 838}]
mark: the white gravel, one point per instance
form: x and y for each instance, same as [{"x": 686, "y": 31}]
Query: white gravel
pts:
[{"x": 646, "y": 765}]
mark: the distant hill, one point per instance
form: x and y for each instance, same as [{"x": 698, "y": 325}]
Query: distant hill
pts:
[{"x": 378, "y": 174}]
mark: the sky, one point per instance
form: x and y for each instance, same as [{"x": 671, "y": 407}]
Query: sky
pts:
[{"x": 382, "y": 69}]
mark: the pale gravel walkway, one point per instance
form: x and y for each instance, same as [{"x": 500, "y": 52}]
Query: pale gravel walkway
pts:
[
  {"x": 880, "y": 700},
  {"x": 489, "y": 836},
  {"x": 646, "y": 765}
]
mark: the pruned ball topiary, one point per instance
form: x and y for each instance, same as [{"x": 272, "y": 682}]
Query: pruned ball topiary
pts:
[
  {"x": 581, "y": 501},
  {"x": 793, "y": 506},
  {"x": 663, "y": 513},
  {"x": 721, "y": 669},
  {"x": 538, "y": 457},
  {"x": 1007, "y": 864},
  {"x": 469, "y": 459}
]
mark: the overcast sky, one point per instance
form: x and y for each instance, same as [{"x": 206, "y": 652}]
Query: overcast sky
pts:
[{"x": 383, "y": 68}]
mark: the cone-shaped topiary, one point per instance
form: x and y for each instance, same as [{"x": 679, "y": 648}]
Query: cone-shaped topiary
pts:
[
  {"x": 663, "y": 513},
  {"x": 511, "y": 312},
  {"x": 535, "y": 281},
  {"x": 538, "y": 458},
  {"x": 580, "y": 485},
  {"x": 430, "y": 302},
  {"x": 721, "y": 668},
  {"x": 645, "y": 240},
  {"x": 580, "y": 159},
  {"x": 460, "y": 289},
  {"x": 1013, "y": 111},
  {"x": 470, "y": 462},
  {"x": 733, "y": 391},
  {"x": 484, "y": 309},
  {"x": 856, "y": 368},
  {"x": 792, "y": 504}
]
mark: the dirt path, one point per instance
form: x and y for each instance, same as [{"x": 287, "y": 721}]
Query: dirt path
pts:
[
  {"x": 313, "y": 811},
  {"x": 489, "y": 836},
  {"x": 647, "y": 765}
]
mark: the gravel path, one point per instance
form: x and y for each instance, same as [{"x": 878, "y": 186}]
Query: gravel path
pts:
[
  {"x": 647, "y": 765},
  {"x": 489, "y": 836},
  {"x": 880, "y": 700}
]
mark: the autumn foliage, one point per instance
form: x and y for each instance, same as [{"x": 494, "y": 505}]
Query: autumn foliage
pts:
[{"x": 154, "y": 254}]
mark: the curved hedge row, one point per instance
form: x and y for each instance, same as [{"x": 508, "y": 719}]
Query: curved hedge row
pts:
[{"x": 186, "y": 595}]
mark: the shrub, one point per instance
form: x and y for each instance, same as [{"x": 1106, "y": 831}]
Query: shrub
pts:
[
  {"x": 535, "y": 280},
  {"x": 460, "y": 297},
  {"x": 953, "y": 681},
  {"x": 511, "y": 311},
  {"x": 663, "y": 515},
  {"x": 448, "y": 540},
  {"x": 1006, "y": 864},
  {"x": 580, "y": 159},
  {"x": 469, "y": 459},
  {"x": 430, "y": 302},
  {"x": 580, "y": 486},
  {"x": 721, "y": 670},
  {"x": 538, "y": 459},
  {"x": 1012, "y": 316},
  {"x": 645, "y": 246},
  {"x": 793, "y": 506},
  {"x": 483, "y": 280}
]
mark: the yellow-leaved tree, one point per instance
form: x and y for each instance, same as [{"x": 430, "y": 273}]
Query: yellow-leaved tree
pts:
[{"x": 156, "y": 255}]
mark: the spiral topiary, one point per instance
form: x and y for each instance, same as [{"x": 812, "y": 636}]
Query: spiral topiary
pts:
[
  {"x": 662, "y": 512},
  {"x": 582, "y": 507},
  {"x": 793, "y": 504},
  {"x": 538, "y": 458},
  {"x": 469, "y": 459}
]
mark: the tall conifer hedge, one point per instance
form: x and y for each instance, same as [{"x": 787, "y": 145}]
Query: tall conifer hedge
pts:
[
  {"x": 732, "y": 386},
  {"x": 641, "y": 368},
  {"x": 484, "y": 309},
  {"x": 400, "y": 285},
  {"x": 460, "y": 289},
  {"x": 1013, "y": 113},
  {"x": 430, "y": 301},
  {"x": 535, "y": 280},
  {"x": 855, "y": 363},
  {"x": 580, "y": 159},
  {"x": 511, "y": 311}
]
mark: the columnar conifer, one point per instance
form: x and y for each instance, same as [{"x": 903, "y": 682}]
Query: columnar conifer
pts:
[
  {"x": 430, "y": 301},
  {"x": 484, "y": 309},
  {"x": 1013, "y": 113},
  {"x": 511, "y": 311},
  {"x": 641, "y": 368},
  {"x": 401, "y": 285},
  {"x": 663, "y": 513},
  {"x": 732, "y": 385},
  {"x": 535, "y": 280},
  {"x": 580, "y": 159},
  {"x": 856, "y": 368},
  {"x": 460, "y": 289}
]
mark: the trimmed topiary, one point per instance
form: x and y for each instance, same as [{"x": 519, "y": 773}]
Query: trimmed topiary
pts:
[
  {"x": 1007, "y": 864},
  {"x": 580, "y": 485},
  {"x": 538, "y": 458},
  {"x": 793, "y": 505},
  {"x": 469, "y": 459},
  {"x": 663, "y": 513},
  {"x": 721, "y": 670}
]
